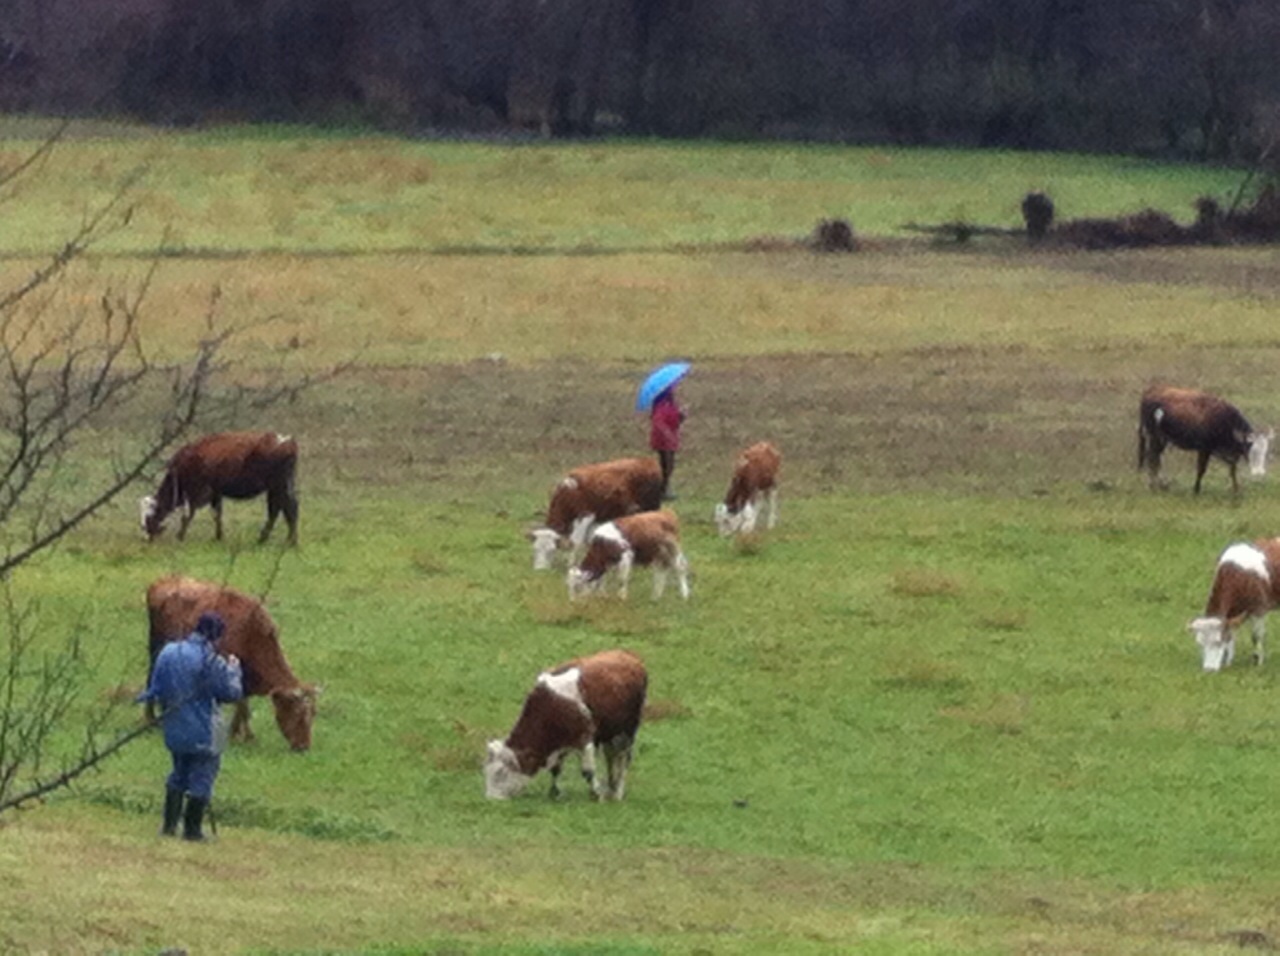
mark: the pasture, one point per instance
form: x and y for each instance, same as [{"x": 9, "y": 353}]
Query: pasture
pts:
[{"x": 948, "y": 706}]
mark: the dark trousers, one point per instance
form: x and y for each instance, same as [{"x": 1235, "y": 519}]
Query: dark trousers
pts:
[
  {"x": 667, "y": 462},
  {"x": 194, "y": 774}
]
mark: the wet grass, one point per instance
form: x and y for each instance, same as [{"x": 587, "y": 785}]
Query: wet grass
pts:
[{"x": 948, "y": 705}]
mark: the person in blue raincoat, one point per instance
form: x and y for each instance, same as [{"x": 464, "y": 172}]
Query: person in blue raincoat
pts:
[{"x": 189, "y": 681}]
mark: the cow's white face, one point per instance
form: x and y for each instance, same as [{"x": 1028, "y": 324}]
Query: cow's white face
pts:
[
  {"x": 545, "y": 542},
  {"x": 1259, "y": 447},
  {"x": 726, "y": 523},
  {"x": 580, "y": 583},
  {"x": 502, "y": 777},
  {"x": 147, "y": 510},
  {"x": 743, "y": 521},
  {"x": 1214, "y": 640}
]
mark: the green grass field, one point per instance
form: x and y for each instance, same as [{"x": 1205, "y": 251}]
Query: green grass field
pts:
[{"x": 948, "y": 706}]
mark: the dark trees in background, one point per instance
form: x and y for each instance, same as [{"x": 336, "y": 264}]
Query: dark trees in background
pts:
[{"x": 1180, "y": 77}]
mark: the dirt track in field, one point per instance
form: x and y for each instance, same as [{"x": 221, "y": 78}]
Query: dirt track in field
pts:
[{"x": 990, "y": 421}]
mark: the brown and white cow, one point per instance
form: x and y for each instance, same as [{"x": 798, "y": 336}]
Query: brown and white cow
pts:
[
  {"x": 649, "y": 539},
  {"x": 227, "y": 465},
  {"x": 1199, "y": 422},
  {"x": 584, "y": 704},
  {"x": 175, "y": 603},
  {"x": 1246, "y": 586},
  {"x": 752, "y": 491},
  {"x": 589, "y": 495}
]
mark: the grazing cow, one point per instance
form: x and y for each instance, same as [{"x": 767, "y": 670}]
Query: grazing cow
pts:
[
  {"x": 583, "y": 704},
  {"x": 1201, "y": 423},
  {"x": 175, "y": 603},
  {"x": 651, "y": 538},
  {"x": 592, "y": 494},
  {"x": 753, "y": 489},
  {"x": 227, "y": 465},
  {"x": 1246, "y": 585}
]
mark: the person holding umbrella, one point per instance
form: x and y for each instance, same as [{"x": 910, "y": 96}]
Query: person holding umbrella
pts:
[{"x": 658, "y": 396}]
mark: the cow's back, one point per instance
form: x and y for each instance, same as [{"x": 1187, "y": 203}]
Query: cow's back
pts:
[
  {"x": 613, "y": 684},
  {"x": 174, "y": 605},
  {"x": 238, "y": 464}
]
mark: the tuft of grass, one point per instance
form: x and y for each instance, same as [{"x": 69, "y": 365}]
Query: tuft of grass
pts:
[
  {"x": 1004, "y": 619},
  {"x": 925, "y": 583},
  {"x": 667, "y": 708},
  {"x": 1004, "y": 714}
]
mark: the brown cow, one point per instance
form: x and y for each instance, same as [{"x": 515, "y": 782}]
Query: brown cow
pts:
[
  {"x": 175, "y": 603},
  {"x": 583, "y": 704},
  {"x": 1199, "y": 422},
  {"x": 227, "y": 465},
  {"x": 752, "y": 490},
  {"x": 650, "y": 539},
  {"x": 591, "y": 494},
  {"x": 1246, "y": 586}
]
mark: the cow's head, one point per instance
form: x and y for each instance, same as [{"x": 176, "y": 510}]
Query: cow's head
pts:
[
  {"x": 149, "y": 512},
  {"x": 1259, "y": 447},
  {"x": 731, "y": 522},
  {"x": 1214, "y": 637},
  {"x": 295, "y": 713},
  {"x": 545, "y": 544},
  {"x": 503, "y": 777}
]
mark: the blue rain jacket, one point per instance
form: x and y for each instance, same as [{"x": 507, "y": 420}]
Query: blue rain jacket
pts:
[{"x": 188, "y": 682}]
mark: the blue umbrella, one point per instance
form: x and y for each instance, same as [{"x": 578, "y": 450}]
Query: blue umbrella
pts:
[{"x": 659, "y": 380}]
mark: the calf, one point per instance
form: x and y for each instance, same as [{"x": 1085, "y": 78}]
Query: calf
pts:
[
  {"x": 174, "y": 604},
  {"x": 648, "y": 539},
  {"x": 583, "y": 704},
  {"x": 227, "y": 465},
  {"x": 1245, "y": 587},
  {"x": 752, "y": 490},
  {"x": 592, "y": 494},
  {"x": 1199, "y": 422}
]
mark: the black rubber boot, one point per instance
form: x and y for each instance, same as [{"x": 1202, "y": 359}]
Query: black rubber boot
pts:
[
  {"x": 172, "y": 812},
  {"x": 193, "y": 818}
]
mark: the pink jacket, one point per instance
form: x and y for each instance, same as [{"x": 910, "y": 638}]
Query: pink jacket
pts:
[{"x": 664, "y": 430}]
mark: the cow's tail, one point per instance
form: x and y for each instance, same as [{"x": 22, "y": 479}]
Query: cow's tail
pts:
[{"x": 1148, "y": 420}]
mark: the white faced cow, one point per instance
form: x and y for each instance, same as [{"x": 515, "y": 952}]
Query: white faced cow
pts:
[
  {"x": 584, "y": 704},
  {"x": 591, "y": 494},
  {"x": 1246, "y": 586},
  {"x": 649, "y": 539},
  {"x": 1199, "y": 422},
  {"x": 753, "y": 491}
]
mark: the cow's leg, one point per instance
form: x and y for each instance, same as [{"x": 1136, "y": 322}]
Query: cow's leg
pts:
[
  {"x": 274, "y": 508},
  {"x": 240, "y": 729},
  {"x": 291, "y": 514},
  {"x": 1235, "y": 484},
  {"x": 624, "y": 572},
  {"x": 1155, "y": 449},
  {"x": 659, "y": 579},
  {"x": 1202, "y": 463},
  {"x": 184, "y": 520},
  {"x": 619, "y": 760},
  {"x": 1259, "y": 636},
  {"x": 589, "y": 766},
  {"x": 1229, "y": 654},
  {"x": 682, "y": 573},
  {"x": 555, "y": 765},
  {"x": 771, "y": 496},
  {"x": 216, "y": 504}
]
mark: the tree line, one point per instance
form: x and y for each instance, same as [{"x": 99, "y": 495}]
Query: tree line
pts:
[{"x": 1193, "y": 78}]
